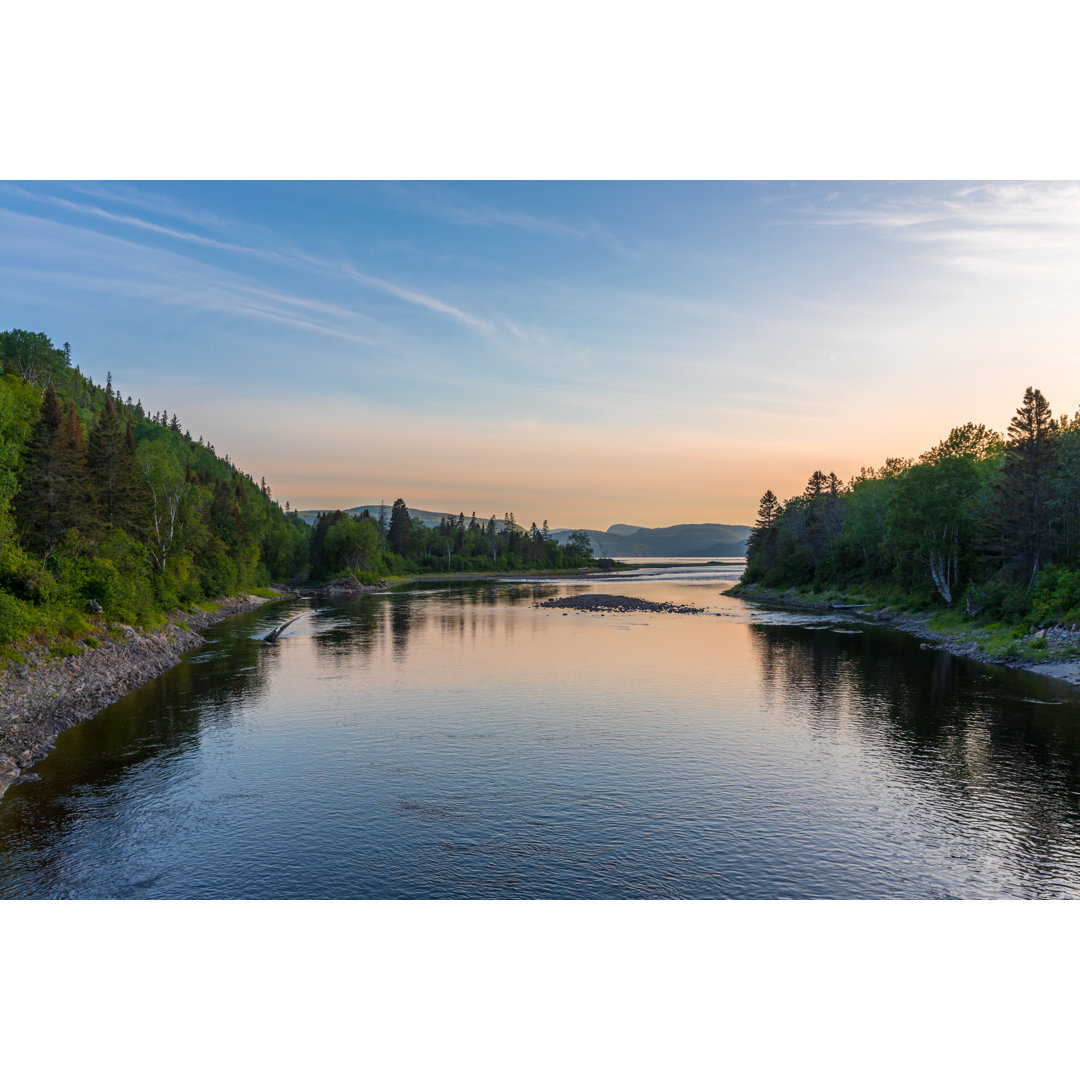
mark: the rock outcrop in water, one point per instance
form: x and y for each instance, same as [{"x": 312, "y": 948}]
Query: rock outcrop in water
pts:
[
  {"x": 605, "y": 602},
  {"x": 45, "y": 695}
]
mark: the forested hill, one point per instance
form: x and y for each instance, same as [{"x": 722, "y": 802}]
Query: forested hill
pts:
[
  {"x": 107, "y": 506},
  {"x": 985, "y": 522}
]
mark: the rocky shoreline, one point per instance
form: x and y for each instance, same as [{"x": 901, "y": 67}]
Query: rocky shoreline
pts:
[
  {"x": 1063, "y": 667},
  {"x": 46, "y": 695}
]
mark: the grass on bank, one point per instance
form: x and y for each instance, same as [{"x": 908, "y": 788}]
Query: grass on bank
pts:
[{"x": 1032, "y": 640}]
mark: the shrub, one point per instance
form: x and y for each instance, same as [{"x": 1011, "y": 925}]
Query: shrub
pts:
[
  {"x": 1055, "y": 594},
  {"x": 14, "y": 618}
]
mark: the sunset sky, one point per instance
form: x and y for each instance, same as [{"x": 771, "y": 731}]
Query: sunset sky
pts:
[{"x": 588, "y": 353}]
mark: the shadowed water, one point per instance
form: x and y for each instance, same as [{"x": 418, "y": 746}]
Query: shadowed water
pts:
[{"x": 456, "y": 741}]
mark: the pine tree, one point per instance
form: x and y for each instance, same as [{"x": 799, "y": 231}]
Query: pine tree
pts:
[
  {"x": 814, "y": 522},
  {"x": 400, "y": 528},
  {"x": 1018, "y": 519},
  {"x": 42, "y": 498},
  {"x": 113, "y": 472},
  {"x": 81, "y": 510},
  {"x": 768, "y": 511},
  {"x": 762, "y": 539}
]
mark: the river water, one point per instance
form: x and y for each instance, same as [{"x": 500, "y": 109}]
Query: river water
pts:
[{"x": 458, "y": 741}]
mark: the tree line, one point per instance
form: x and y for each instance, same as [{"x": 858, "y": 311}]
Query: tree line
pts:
[
  {"x": 984, "y": 521},
  {"x": 108, "y": 507},
  {"x": 371, "y": 547}
]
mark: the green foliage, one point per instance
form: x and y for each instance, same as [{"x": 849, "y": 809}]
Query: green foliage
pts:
[
  {"x": 352, "y": 544},
  {"x": 1055, "y": 595},
  {"x": 341, "y": 544},
  {"x": 993, "y": 524},
  {"x": 579, "y": 546},
  {"x": 14, "y": 618},
  {"x": 114, "y": 574},
  {"x": 19, "y": 403},
  {"x": 135, "y": 517},
  {"x": 31, "y": 356}
]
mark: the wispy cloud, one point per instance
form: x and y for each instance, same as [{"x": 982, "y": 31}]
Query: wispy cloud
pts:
[
  {"x": 292, "y": 256},
  {"x": 1021, "y": 230},
  {"x": 158, "y": 204},
  {"x": 420, "y": 299},
  {"x": 452, "y": 207},
  {"x": 138, "y": 223},
  {"x": 119, "y": 266}
]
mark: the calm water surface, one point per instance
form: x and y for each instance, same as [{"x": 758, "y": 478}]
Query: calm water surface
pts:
[{"x": 457, "y": 741}]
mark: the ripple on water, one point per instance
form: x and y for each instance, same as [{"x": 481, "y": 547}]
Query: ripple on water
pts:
[{"x": 454, "y": 742}]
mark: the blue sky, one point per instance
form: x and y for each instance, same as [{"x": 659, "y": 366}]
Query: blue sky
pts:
[{"x": 582, "y": 352}]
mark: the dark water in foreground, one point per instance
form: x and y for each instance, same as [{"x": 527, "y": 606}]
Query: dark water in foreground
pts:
[{"x": 459, "y": 742}]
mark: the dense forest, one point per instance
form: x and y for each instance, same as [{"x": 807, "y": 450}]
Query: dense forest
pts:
[
  {"x": 985, "y": 523},
  {"x": 109, "y": 512}
]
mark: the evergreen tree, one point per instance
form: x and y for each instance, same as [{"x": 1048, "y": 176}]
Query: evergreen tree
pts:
[
  {"x": 400, "y": 528},
  {"x": 761, "y": 544},
  {"x": 1018, "y": 521},
  {"x": 111, "y": 460},
  {"x": 83, "y": 505},
  {"x": 768, "y": 511},
  {"x": 814, "y": 521},
  {"x": 41, "y": 506}
]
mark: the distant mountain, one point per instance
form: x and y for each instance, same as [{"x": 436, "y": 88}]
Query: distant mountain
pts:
[
  {"x": 619, "y": 541},
  {"x": 719, "y": 541}
]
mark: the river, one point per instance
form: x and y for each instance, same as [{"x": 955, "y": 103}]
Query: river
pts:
[{"x": 459, "y": 741}]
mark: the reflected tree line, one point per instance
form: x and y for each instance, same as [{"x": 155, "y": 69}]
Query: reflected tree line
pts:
[
  {"x": 359, "y": 626},
  {"x": 984, "y": 733}
]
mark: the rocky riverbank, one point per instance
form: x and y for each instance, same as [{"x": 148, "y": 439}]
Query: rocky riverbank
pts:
[
  {"x": 45, "y": 695},
  {"x": 1052, "y": 651}
]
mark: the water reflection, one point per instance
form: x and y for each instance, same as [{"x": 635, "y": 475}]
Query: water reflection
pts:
[
  {"x": 982, "y": 741},
  {"x": 160, "y": 721},
  {"x": 459, "y": 741}
]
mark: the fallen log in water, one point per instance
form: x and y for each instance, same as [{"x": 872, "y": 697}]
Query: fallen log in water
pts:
[{"x": 275, "y": 634}]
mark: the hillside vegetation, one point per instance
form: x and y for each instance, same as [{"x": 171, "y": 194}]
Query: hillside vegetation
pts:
[
  {"x": 112, "y": 513},
  {"x": 982, "y": 523}
]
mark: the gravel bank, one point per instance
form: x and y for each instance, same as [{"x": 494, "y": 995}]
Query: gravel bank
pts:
[
  {"x": 1059, "y": 639},
  {"x": 604, "y": 602},
  {"x": 38, "y": 703}
]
